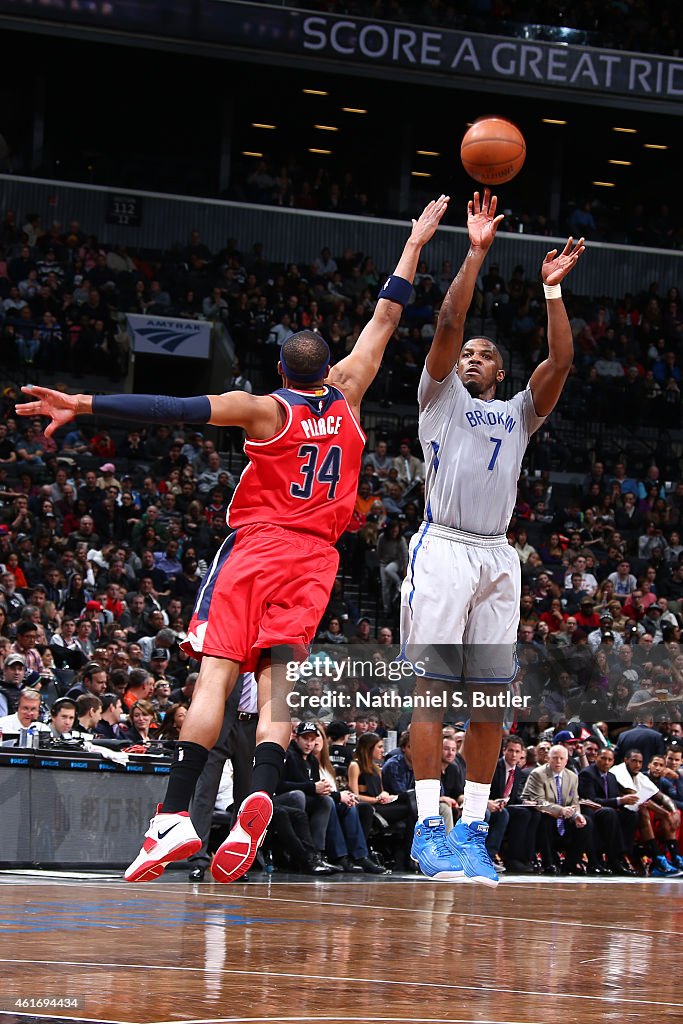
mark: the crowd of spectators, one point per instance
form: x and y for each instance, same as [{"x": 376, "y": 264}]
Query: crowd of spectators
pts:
[
  {"x": 105, "y": 533},
  {"x": 628, "y": 350},
  {"x": 271, "y": 182},
  {"x": 64, "y": 296}
]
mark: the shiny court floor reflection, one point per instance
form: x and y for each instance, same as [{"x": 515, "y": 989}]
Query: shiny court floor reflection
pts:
[{"x": 359, "y": 950}]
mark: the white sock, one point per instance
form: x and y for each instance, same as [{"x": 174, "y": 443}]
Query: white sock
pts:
[
  {"x": 476, "y": 799},
  {"x": 427, "y": 792}
]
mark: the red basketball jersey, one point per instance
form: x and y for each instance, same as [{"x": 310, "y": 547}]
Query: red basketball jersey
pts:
[{"x": 306, "y": 476}]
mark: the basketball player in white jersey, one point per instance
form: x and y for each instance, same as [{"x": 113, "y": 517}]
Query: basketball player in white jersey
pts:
[{"x": 460, "y": 598}]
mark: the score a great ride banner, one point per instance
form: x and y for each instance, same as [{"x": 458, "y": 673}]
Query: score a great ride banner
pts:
[
  {"x": 444, "y": 52},
  {"x": 469, "y": 56}
]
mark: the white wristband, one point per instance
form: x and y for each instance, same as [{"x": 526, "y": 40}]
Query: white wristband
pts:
[{"x": 552, "y": 291}]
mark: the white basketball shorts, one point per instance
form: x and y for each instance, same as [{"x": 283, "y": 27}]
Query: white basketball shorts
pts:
[{"x": 460, "y": 606}]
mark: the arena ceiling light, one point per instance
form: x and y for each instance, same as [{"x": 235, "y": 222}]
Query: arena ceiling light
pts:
[
  {"x": 552, "y": 120},
  {"x": 326, "y": 127},
  {"x": 257, "y": 124},
  {"x": 315, "y": 92},
  {"x": 626, "y": 131},
  {"x": 420, "y": 174},
  {"x": 654, "y": 145},
  {"x": 427, "y": 152},
  {"x": 324, "y": 152},
  {"x": 621, "y": 163},
  {"x": 605, "y": 184},
  {"x": 249, "y": 152},
  {"x": 354, "y": 110}
]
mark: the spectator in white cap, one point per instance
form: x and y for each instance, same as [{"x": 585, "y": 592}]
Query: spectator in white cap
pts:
[{"x": 604, "y": 632}]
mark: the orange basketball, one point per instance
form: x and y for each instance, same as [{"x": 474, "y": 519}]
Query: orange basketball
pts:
[{"x": 493, "y": 150}]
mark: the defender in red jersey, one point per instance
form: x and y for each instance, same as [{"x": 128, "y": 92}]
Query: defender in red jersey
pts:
[
  {"x": 293, "y": 501},
  {"x": 306, "y": 477},
  {"x": 271, "y": 580}
]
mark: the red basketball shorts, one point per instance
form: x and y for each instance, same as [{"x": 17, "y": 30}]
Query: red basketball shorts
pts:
[{"x": 266, "y": 586}]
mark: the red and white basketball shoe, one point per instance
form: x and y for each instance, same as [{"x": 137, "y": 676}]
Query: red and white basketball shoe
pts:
[
  {"x": 237, "y": 853},
  {"x": 169, "y": 837}
]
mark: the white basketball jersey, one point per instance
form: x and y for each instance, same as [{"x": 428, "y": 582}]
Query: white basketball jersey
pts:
[{"x": 473, "y": 451}]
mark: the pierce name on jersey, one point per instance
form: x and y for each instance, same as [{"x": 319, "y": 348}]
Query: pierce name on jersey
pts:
[{"x": 323, "y": 427}]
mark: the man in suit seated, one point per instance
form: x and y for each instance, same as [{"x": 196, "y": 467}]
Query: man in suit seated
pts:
[
  {"x": 506, "y": 790},
  {"x": 555, "y": 791},
  {"x": 614, "y": 824}
]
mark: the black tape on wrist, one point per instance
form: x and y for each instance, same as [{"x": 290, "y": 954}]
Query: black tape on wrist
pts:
[{"x": 396, "y": 289}]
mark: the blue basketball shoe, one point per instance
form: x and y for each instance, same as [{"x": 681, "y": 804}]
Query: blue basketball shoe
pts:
[
  {"x": 431, "y": 851},
  {"x": 662, "y": 868},
  {"x": 468, "y": 843}
]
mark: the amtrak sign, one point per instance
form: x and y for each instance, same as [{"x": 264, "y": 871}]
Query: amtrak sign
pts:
[{"x": 169, "y": 336}]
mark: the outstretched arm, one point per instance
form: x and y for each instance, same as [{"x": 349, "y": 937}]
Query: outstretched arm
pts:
[
  {"x": 356, "y": 372},
  {"x": 482, "y": 225},
  {"x": 549, "y": 376},
  {"x": 261, "y": 417}
]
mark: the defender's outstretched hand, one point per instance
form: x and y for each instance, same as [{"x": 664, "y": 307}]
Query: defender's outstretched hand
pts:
[
  {"x": 59, "y": 407},
  {"x": 425, "y": 226},
  {"x": 555, "y": 268},
  {"x": 482, "y": 222}
]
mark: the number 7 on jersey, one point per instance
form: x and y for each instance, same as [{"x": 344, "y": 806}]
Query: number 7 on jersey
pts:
[{"x": 496, "y": 442}]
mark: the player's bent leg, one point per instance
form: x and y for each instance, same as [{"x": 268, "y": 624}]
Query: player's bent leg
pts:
[
  {"x": 238, "y": 851},
  {"x": 468, "y": 838},
  {"x": 429, "y": 848},
  {"x": 171, "y": 835}
]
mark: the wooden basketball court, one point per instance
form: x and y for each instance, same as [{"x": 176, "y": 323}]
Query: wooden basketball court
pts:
[{"x": 357, "y": 950}]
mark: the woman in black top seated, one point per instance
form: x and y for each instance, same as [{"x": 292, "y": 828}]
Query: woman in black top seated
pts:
[
  {"x": 365, "y": 780},
  {"x": 142, "y": 725},
  {"x": 174, "y": 716}
]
